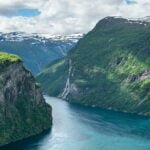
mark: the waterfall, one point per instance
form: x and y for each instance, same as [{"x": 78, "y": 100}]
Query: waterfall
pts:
[{"x": 67, "y": 86}]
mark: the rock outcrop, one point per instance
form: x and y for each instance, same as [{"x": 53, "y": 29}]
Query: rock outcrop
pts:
[{"x": 23, "y": 110}]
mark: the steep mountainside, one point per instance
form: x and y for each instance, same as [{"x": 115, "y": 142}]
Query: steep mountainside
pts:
[
  {"x": 23, "y": 110},
  {"x": 108, "y": 68},
  {"x": 37, "y": 50}
]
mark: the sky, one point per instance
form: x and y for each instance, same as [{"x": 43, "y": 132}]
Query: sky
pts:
[{"x": 65, "y": 16}]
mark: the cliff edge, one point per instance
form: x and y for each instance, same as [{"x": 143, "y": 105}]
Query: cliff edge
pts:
[{"x": 23, "y": 110}]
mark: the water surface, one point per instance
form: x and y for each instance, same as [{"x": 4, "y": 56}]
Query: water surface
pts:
[{"x": 77, "y": 127}]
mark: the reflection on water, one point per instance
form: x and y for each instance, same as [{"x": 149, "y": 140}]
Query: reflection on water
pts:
[{"x": 77, "y": 127}]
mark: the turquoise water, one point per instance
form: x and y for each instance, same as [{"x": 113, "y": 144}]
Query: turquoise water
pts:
[{"x": 82, "y": 128}]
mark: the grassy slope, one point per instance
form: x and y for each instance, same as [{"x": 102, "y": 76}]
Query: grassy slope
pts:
[
  {"x": 108, "y": 64},
  {"x": 5, "y": 57},
  {"x": 53, "y": 78}
]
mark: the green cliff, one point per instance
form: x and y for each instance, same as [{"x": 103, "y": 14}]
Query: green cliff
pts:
[
  {"x": 108, "y": 68},
  {"x": 23, "y": 110}
]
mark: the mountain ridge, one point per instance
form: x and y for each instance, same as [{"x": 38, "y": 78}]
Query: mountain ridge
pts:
[
  {"x": 110, "y": 68},
  {"x": 36, "y": 50}
]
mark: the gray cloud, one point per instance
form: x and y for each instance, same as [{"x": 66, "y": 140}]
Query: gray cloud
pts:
[{"x": 7, "y": 8}]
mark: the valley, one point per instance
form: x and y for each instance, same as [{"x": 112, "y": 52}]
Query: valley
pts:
[
  {"x": 37, "y": 50},
  {"x": 87, "y": 91},
  {"x": 110, "y": 68}
]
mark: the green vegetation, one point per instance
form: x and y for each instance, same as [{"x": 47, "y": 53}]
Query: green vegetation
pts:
[
  {"x": 35, "y": 54},
  {"x": 111, "y": 67},
  {"x": 6, "y": 57},
  {"x": 23, "y": 110},
  {"x": 55, "y": 73}
]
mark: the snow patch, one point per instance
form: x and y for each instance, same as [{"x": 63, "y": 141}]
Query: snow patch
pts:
[{"x": 20, "y": 36}]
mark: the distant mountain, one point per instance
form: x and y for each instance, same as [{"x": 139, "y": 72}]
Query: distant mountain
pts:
[
  {"x": 108, "y": 68},
  {"x": 37, "y": 50}
]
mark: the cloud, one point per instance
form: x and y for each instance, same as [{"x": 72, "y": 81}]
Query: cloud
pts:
[{"x": 64, "y": 16}]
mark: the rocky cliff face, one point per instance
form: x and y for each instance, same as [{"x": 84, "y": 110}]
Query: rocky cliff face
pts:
[
  {"x": 110, "y": 68},
  {"x": 23, "y": 110}
]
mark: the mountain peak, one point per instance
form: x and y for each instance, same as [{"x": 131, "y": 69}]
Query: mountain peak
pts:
[
  {"x": 118, "y": 21},
  {"x": 20, "y": 36},
  {"x": 120, "y": 18}
]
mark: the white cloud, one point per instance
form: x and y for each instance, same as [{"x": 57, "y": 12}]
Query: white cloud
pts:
[{"x": 66, "y": 16}]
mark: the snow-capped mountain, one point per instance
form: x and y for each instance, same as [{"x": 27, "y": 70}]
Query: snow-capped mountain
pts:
[
  {"x": 20, "y": 36},
  {"x": 37, "y": 50}
]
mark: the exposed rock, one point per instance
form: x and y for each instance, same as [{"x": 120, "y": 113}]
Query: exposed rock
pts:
[
  {"x": 132, "y": 78},
  {"x": 145, "y": 75},
  {"x": 141, "y": 76},
  {"x": 73, "y": 88},
  {"x": 23, "y": 110}
]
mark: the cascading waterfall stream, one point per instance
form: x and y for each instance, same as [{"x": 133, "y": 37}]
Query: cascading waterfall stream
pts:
[{"x": 67, "y": 87}]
